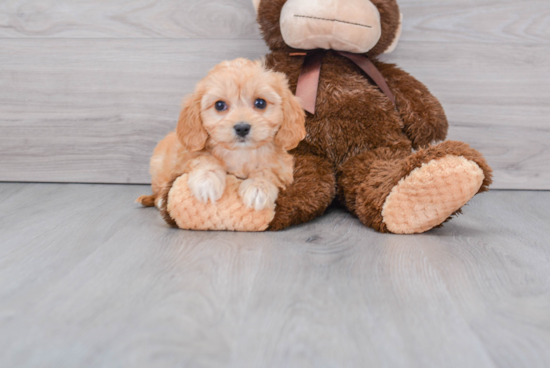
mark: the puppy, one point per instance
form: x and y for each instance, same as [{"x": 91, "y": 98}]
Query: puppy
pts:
[{"x": 242, "y": 119}]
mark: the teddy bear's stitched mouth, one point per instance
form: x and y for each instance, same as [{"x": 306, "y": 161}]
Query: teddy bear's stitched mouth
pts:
[{"x": 333, "y": 20}]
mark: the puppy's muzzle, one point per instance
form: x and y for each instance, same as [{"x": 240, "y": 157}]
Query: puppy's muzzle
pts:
[{"x": 242, "y": 129}]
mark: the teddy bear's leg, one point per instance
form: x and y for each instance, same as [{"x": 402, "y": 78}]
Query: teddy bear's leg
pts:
[
  {"x": 393, "y": 191},
  {"x": 310, "y": 194}
]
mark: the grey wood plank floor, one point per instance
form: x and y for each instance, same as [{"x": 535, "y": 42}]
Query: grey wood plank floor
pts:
[{"x": 89, "y": 279}]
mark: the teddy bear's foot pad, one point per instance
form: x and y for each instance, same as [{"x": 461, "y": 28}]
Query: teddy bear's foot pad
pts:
[
  {"x": 228, "y": 213},
  {"x": 430, "y": 194}
]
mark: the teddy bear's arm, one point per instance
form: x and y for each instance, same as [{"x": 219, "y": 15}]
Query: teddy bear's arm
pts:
[{"x": 422, "y": 114}]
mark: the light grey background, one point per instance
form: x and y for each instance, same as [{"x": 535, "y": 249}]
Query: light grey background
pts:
[{"x": 87, "y": 88}]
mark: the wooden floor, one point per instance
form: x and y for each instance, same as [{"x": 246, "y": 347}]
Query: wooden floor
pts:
[{"x": 89, "y": 279}]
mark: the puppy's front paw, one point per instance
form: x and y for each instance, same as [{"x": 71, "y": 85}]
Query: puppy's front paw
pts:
[
  {"x": 207, "y": 185},
  {"x": 258, "y": 193}
]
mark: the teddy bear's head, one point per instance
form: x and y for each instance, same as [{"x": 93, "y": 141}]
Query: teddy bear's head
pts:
[{"x": 359, "y": 26}]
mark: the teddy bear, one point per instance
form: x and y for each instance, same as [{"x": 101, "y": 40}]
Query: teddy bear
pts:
[{"x": 375, "y": 135}]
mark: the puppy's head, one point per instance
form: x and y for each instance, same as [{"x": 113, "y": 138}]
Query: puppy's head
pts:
[{"x": 241, "y": 105}]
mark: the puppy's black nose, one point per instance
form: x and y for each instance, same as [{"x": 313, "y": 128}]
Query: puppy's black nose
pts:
[{"x": 242, "y": 129}]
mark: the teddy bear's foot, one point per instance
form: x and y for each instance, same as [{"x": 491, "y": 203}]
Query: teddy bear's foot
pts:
[
  {"x": 181, "y": 209},
  {"x": 430, "y": 194},
  {"x": 395, "y": 191}
]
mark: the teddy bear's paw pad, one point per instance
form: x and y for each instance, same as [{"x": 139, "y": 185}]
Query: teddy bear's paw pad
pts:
[
  {"x": 227, "y": 213},
  {"x": 430, "y": 194}
]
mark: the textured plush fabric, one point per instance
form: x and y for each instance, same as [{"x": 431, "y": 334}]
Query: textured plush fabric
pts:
[
  {"x": 345, "y": 25},
  {"x": 430, "y": 194},
  {"x": 181, "y": 209},
  {"x": 368, "y": 179}
]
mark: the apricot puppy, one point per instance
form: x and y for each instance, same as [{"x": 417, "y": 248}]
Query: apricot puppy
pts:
[{"x": 241, "y": 120}]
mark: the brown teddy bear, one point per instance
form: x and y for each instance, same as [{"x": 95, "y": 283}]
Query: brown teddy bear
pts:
[{"x": 371, "y": 127}]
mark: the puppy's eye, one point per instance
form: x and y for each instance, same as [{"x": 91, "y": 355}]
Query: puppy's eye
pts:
[
  {"x": 220, "y": 106},
  {"x": 260, "y": 104}
]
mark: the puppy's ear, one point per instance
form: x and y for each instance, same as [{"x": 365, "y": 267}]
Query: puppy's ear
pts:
[
  {"x": 190, "y": 131},
  {"x": 292, "y": 129}
]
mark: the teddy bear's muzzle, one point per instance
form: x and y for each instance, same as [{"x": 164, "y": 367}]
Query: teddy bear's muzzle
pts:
[{"x": 343, "y": 25}]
